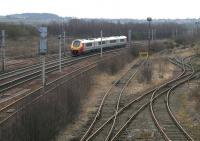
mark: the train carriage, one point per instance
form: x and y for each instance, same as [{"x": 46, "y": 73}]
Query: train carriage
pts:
[{"x": 80, "y": 46}]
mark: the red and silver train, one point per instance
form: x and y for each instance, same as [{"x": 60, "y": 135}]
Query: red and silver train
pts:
[{"x": 80, "y": 46}]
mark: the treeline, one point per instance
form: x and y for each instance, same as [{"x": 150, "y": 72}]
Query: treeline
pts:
[
  {"x": 14, "y": 31},
  {"x": 91, "y": 28}
]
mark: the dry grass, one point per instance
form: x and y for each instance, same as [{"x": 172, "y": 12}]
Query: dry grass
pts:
[
  {"x": 162, "y": 70},
  {"x": 145, "y": 135},
  {"x": 182, "y": 113},
  {"x": 114, "y": 64},
  {"x": 189, "y": 113},
  {"x": 28, "y": 46},
  {"x": 99, "y": 84},
  {"x": 145, "y": 73},
  {"x": 43, "y": 119},
  {"x": 195, "y": 96}
]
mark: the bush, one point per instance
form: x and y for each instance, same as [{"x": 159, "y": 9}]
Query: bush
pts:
[
  {"x": 41, "y": 120},
  {"x": 156, "y": 46},
  {"x": 145, "y": 73},
  {"x": 185, "y": 40},
  {"x": 180, "y": 40},
  {"x": 114, "y": 64}
]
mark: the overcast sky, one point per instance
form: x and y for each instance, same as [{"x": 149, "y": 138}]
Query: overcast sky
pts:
[{"x": 139, "y": 9}]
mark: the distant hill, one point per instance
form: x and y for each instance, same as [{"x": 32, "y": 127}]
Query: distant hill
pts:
[{"x": 32, "y": 18}]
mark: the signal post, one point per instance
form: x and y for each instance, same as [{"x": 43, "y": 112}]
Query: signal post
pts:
[{"x": 43, "y": 51}]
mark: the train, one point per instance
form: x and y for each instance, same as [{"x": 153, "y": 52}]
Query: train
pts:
[{"x": 81, "y": 46}]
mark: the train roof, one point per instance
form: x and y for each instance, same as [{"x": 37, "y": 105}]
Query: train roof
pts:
[{"x": 103, "y": 39}]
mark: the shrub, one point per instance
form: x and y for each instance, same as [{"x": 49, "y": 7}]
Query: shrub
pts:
[
  {"x": 145, "y": 73},
  {"x": 156, "y": 46},
  {"x": 44, "y": 118},
  {"x": 114, "y": 64}
]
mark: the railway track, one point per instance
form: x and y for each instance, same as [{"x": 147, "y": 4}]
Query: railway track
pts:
[
  {"x": 160, "y": 93},
  {"x": 35, "y": 60},
  {"x": 140, "y": 103},
  {"x": 114, "y": 129},
  {"x": 13, "y": 108},
  {"x": 166, "y": 122},
  {"x": 29, "y": 67},
  {"x": 18, "y": 77},
  {"x": 109, "y": 99},
  {"x": 113, "y": 94}
]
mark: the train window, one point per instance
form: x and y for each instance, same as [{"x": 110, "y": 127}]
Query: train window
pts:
[
  {"x": 89, "y": 44},
  {"x": 113, "y": 41},
  {"x": 103, "y": 43},
  {"x": 122, "y": 40},
  {"x": 76, "y": 43}
]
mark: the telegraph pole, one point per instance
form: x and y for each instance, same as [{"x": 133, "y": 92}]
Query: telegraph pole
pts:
[
  {"x": 64, "y": 43},
  {"x": 60, "y": 52},
  {"x": 149, "y": 19},
  {"x": 3, "y": 49},
  {"x": 101, "y": 43},
  {"x": 129, "y": 37},
  {"x": 196, "y": 23},
  {"x": 43, "y": 70}
]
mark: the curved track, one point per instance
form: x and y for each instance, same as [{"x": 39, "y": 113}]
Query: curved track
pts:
[
  {"x": 170, "y": 129},
  {"x": 29, "y": 98},
  {"x": 111, "y": 99},
  {"x": 172, "y": 114},
  {"x": 146, "y": 99}
]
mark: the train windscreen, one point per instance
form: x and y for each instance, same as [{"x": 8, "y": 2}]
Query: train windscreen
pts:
[{"x": 76, "y": 43}]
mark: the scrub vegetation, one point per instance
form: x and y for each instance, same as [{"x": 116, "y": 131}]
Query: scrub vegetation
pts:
[{"x": 44, "y": 117}]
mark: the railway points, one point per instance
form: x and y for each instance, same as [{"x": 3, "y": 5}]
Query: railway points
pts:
[
  {"x": 107, "y": 124},
  {"x": 146, "y": 98},
  {"x": 31, "y": 95}
]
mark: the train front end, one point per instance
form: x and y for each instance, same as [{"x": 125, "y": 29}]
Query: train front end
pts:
[{"x": 77, "y": 47}]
